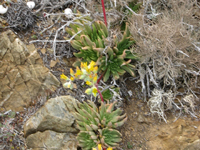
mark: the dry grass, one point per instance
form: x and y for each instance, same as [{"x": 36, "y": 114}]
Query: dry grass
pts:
[{"x": 167, "y": 35}]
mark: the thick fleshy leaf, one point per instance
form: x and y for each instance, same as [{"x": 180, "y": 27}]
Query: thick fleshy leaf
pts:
[
  {"x": 118, "y": 124},
  {"x": 107, "y": 75},
  {"x": 128, "y": 70}
]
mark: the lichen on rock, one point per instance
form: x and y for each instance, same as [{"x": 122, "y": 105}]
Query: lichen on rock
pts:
[{"x": 23, "y": 76}]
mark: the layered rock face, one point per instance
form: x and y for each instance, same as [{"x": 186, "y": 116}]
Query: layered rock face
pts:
[
  {"x": 52, "y": 126},
  {"x": 52, "y": 140},
  {"x": 23, "y": 76}
]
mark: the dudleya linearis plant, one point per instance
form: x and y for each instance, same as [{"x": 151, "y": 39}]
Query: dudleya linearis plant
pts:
[
  {"x": 98, "y": 125},
  {"x": 111, "y": 54}
]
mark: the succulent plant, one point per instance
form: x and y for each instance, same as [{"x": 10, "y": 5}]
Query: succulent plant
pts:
[
  {"x": 112, "y": 55},
  {"x": 98, "y": 125},
  {"x": 88, "y": 73}
]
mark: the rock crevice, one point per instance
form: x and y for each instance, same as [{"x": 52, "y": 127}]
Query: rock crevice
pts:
[
  {"x": 22, "y": 74},
  {"x": 53, "y": 125}
]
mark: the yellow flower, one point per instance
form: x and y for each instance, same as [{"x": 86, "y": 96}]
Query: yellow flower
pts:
[
  {"x": 90, "y": 76},
  {"x": 68, "y": 85},
  {"x": 94, "y": 91},
  {"x": 95, "y": 69},
  {"x": 83, "y": 65},
  {"x": 78, "y": 72},
  {"x": 83, "y": 71},
  {"x": 91, "y": 66},
  {"x": 95, "y": 78},
  {"x": 99, "y": 147},
  {"x": 71, "y": 72},
  {"x": 88, "y": 83},
  {"x": 71, "y": 78},
  {"x": 88, "y": 70},
  {"x": 88, "y": 91},
  {"x": 62, "y": 76}
]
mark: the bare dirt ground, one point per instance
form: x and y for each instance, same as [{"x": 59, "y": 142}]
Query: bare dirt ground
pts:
[{"x": 143, "y": 131}]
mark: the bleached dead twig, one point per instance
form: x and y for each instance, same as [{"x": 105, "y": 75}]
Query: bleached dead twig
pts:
[
  {"x": 132, "y": 10},
  {"x": 62, "y": 27}
]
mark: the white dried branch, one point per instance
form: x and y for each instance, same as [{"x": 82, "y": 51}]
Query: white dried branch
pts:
[
  {"x": 198, "y": 48},
  {"x": 158, "y": 100},
  {"x": 190, "y": 100},
  {"x": 196, "y": 2},
  {"x": 148, "y": 85},
  {"x": 152, "y": 79},
  {"x": 62, "y": 28},
  {"x": 81, "y": 5},
  {"x": 132, "y": 10},
  {"x": 183, "y": 53},
  {"x": 193, "y": 72}
]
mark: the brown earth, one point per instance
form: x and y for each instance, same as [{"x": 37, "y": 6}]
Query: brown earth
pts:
[{"x": 142, "y": 131}]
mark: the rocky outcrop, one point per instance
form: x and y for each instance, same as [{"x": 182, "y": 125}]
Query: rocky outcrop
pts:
[
  {"x": 193, "y": 146},
  {"x": 53, "y": 125},
  {"x": 51, "y": 140},
  {"x": 55, "y": 115},
  {"x": 23, "y": 76}
]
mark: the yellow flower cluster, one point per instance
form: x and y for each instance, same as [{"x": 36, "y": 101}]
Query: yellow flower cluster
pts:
[
  {"x": 69, "y": 83},
  {"x": 99, "y": 147},
  {"x": 88, "y": 73}
]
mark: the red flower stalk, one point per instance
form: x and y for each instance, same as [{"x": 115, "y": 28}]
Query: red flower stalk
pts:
[{"x": 104, "y": 12}]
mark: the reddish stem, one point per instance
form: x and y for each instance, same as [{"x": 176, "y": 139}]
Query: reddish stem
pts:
[
  {"x": 100, "y": 78},
  {"x": 104, "y": 12},
  {"x": 101, "y": 96}
]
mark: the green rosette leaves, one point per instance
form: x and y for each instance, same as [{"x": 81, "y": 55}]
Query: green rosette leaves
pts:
[
  {"x": 98, "y": 125},
  {"x": 94, "y": 44}
]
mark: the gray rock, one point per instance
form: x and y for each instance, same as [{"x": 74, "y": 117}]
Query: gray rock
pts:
[
  {"x": 193, "y": 146},
  {"x": 52, "y": 141},
  {"x": 142, "y": 119},
  {"x": 23, "y": 76},
  {"x": 55, "y": 115}
]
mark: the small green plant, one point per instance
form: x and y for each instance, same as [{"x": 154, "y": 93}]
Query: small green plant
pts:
[
  {"x": 129, "y": 145},
  {"x": 111, "y": 54},
  {"x": 34, "y": 36},
  {"x": 135, "y": 6},
  {"x": 109, "y": 93},
  {"x": 98, "y": 125},
  {"x": 7, "y": 129}
]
